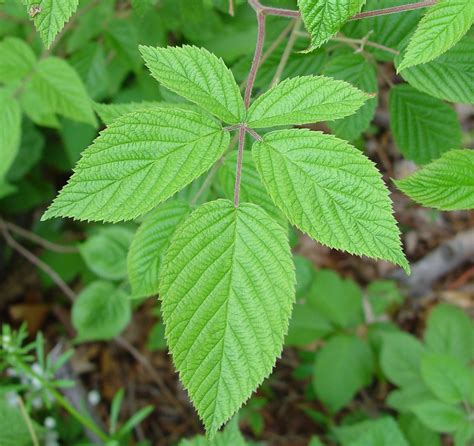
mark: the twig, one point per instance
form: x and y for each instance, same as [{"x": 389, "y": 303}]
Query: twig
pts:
[
  {"x": 286, "y": 53},
  {"x": 265, "y": 10},
  {"x": 231, "y": 8},
  {"x": 352, "y": 42},
  {"x": 36, "y": 261},
  {"x": 39, "y": 240},
  {"x": 447, "y": 257}
]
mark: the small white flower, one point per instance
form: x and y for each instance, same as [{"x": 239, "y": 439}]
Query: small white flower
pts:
[
  {"x": 11, "y": 398},
  {"x": 37, "y": 403},
  {"x": 49, "y": 423},
  {"x": 93, "y": 397},
  {"x": 6, "y": 339},
  {"x": 37, "y": 369},
  {"x": 11, "y": 373},
  {"x": 51, "y": 438}
]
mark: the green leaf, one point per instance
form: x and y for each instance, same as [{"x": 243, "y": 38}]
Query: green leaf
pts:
[
  {"x": 356, "y": 70},
  {"x": 423, "y": 127},
  {"x": 447, "y": 183},
  {"x": 110, "y": 112},
  {"x": 149, "y": 246},
  {"x": 403, "y": 400},
  {"x": 251, "y": 188},
  {"x": 334, "y": 381},
  {"x": 199, "y": 76},
  {"x": 305, "y": 100},
  {"x": 13, "y": 426},
  {"x": 227, "y": 289},
  {"x": 61, "y": 89},
  {"x": 450, "y": 331},
  {"x": 139, "y": 161},
  {"x": 51, "y": 17},
  {"x": 17, "y": 60},
  {"x": 230, "y": 436},
  {"x": 381, "y": 432},
  {"x": 416, "y": 432},
  {"x": 446, "y": 376},
  {"x": 443, "y": 25},
  {"x": 306, "y": 325},
  {"x": 324, "y": 18},
  {"x": 331, "y": 191},
  {"x": 344, "y": 308},
  {"x": 383, "y": 295},
  {"x": 10, "y": 131},
  {"x": 449, "y": 76},
  {"x": 400, "y": 358},
  {"x": 100, "y": 312},
  {"x": 105, "y": 253},
  {"x": 440, "y": 417}
]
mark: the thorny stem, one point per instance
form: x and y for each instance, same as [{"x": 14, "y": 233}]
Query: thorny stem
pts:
[{"x": 265, "y": 10}]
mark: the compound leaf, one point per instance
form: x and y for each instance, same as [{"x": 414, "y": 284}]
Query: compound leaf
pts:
[
  {"x": 141, "y": 160},
  {"x": 447, "y": 183},
  {"x": 331, "y": 191},
  {"x": 251, "y": 188},
  {"x": 100, "y": 312},
  {"x": 17, "y": 60},
  {"x": 447, "y": 77},
  {"x": 50, "y": 16},
  {"x": 199, "y": 76},
  {"x": 423, "y": 127},
  {"x": 443, "y": 25},
  {"x": 62, "y": 91},
  {"x": 439, "y": 416},
  {"x": 324, "y": 18},
  {"x": 227, "y": 289},
  {"x": 304, "y": 100},
  {"x": 149, "y": 246}
]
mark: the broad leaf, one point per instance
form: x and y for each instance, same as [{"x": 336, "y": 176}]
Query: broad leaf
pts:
[
  {"x": 305, "y": 100},
  {"x": 197, "y": 75},
  {"x": 138, "y": 162},
  {"x": 105, "y": 253},
  {"x": 149, "y": 246},
  {"x": 356, "y": 70},
  {"x": 110, "y": 112},
  {"x": 400, "y": 358},
  {"x": 10, "y": 131},
  {"x": 61, "y": 90},
  {"x": 324, "y": 18},
  {"x": 447, "y": 183},
  {"x": 449, "y": 76},
  {"x": 15, "y": 431},
  {"x": 447, "y": 377},
  {"x": 227, "y": 288},
  {"x": 440, "y": 417},
  {"x": 443, "y": 25},
  {"x": 450, "y": 331},
  {"x": 423, "y": 127},
  {"x": 331, "y": 370},
  {"x": 51, "y": 16},
  {"x": 331, "y": 191},
  {"x": 416, "y": 432},
  {"x": 403, "y": 400},
  {"x": 17, "y": 60},
  {"x": 100, "y": 312},
  {"x": 383, "y": 431},
  {"x": 344, "y": 306},
  {"x": 251, "y": 188}
]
